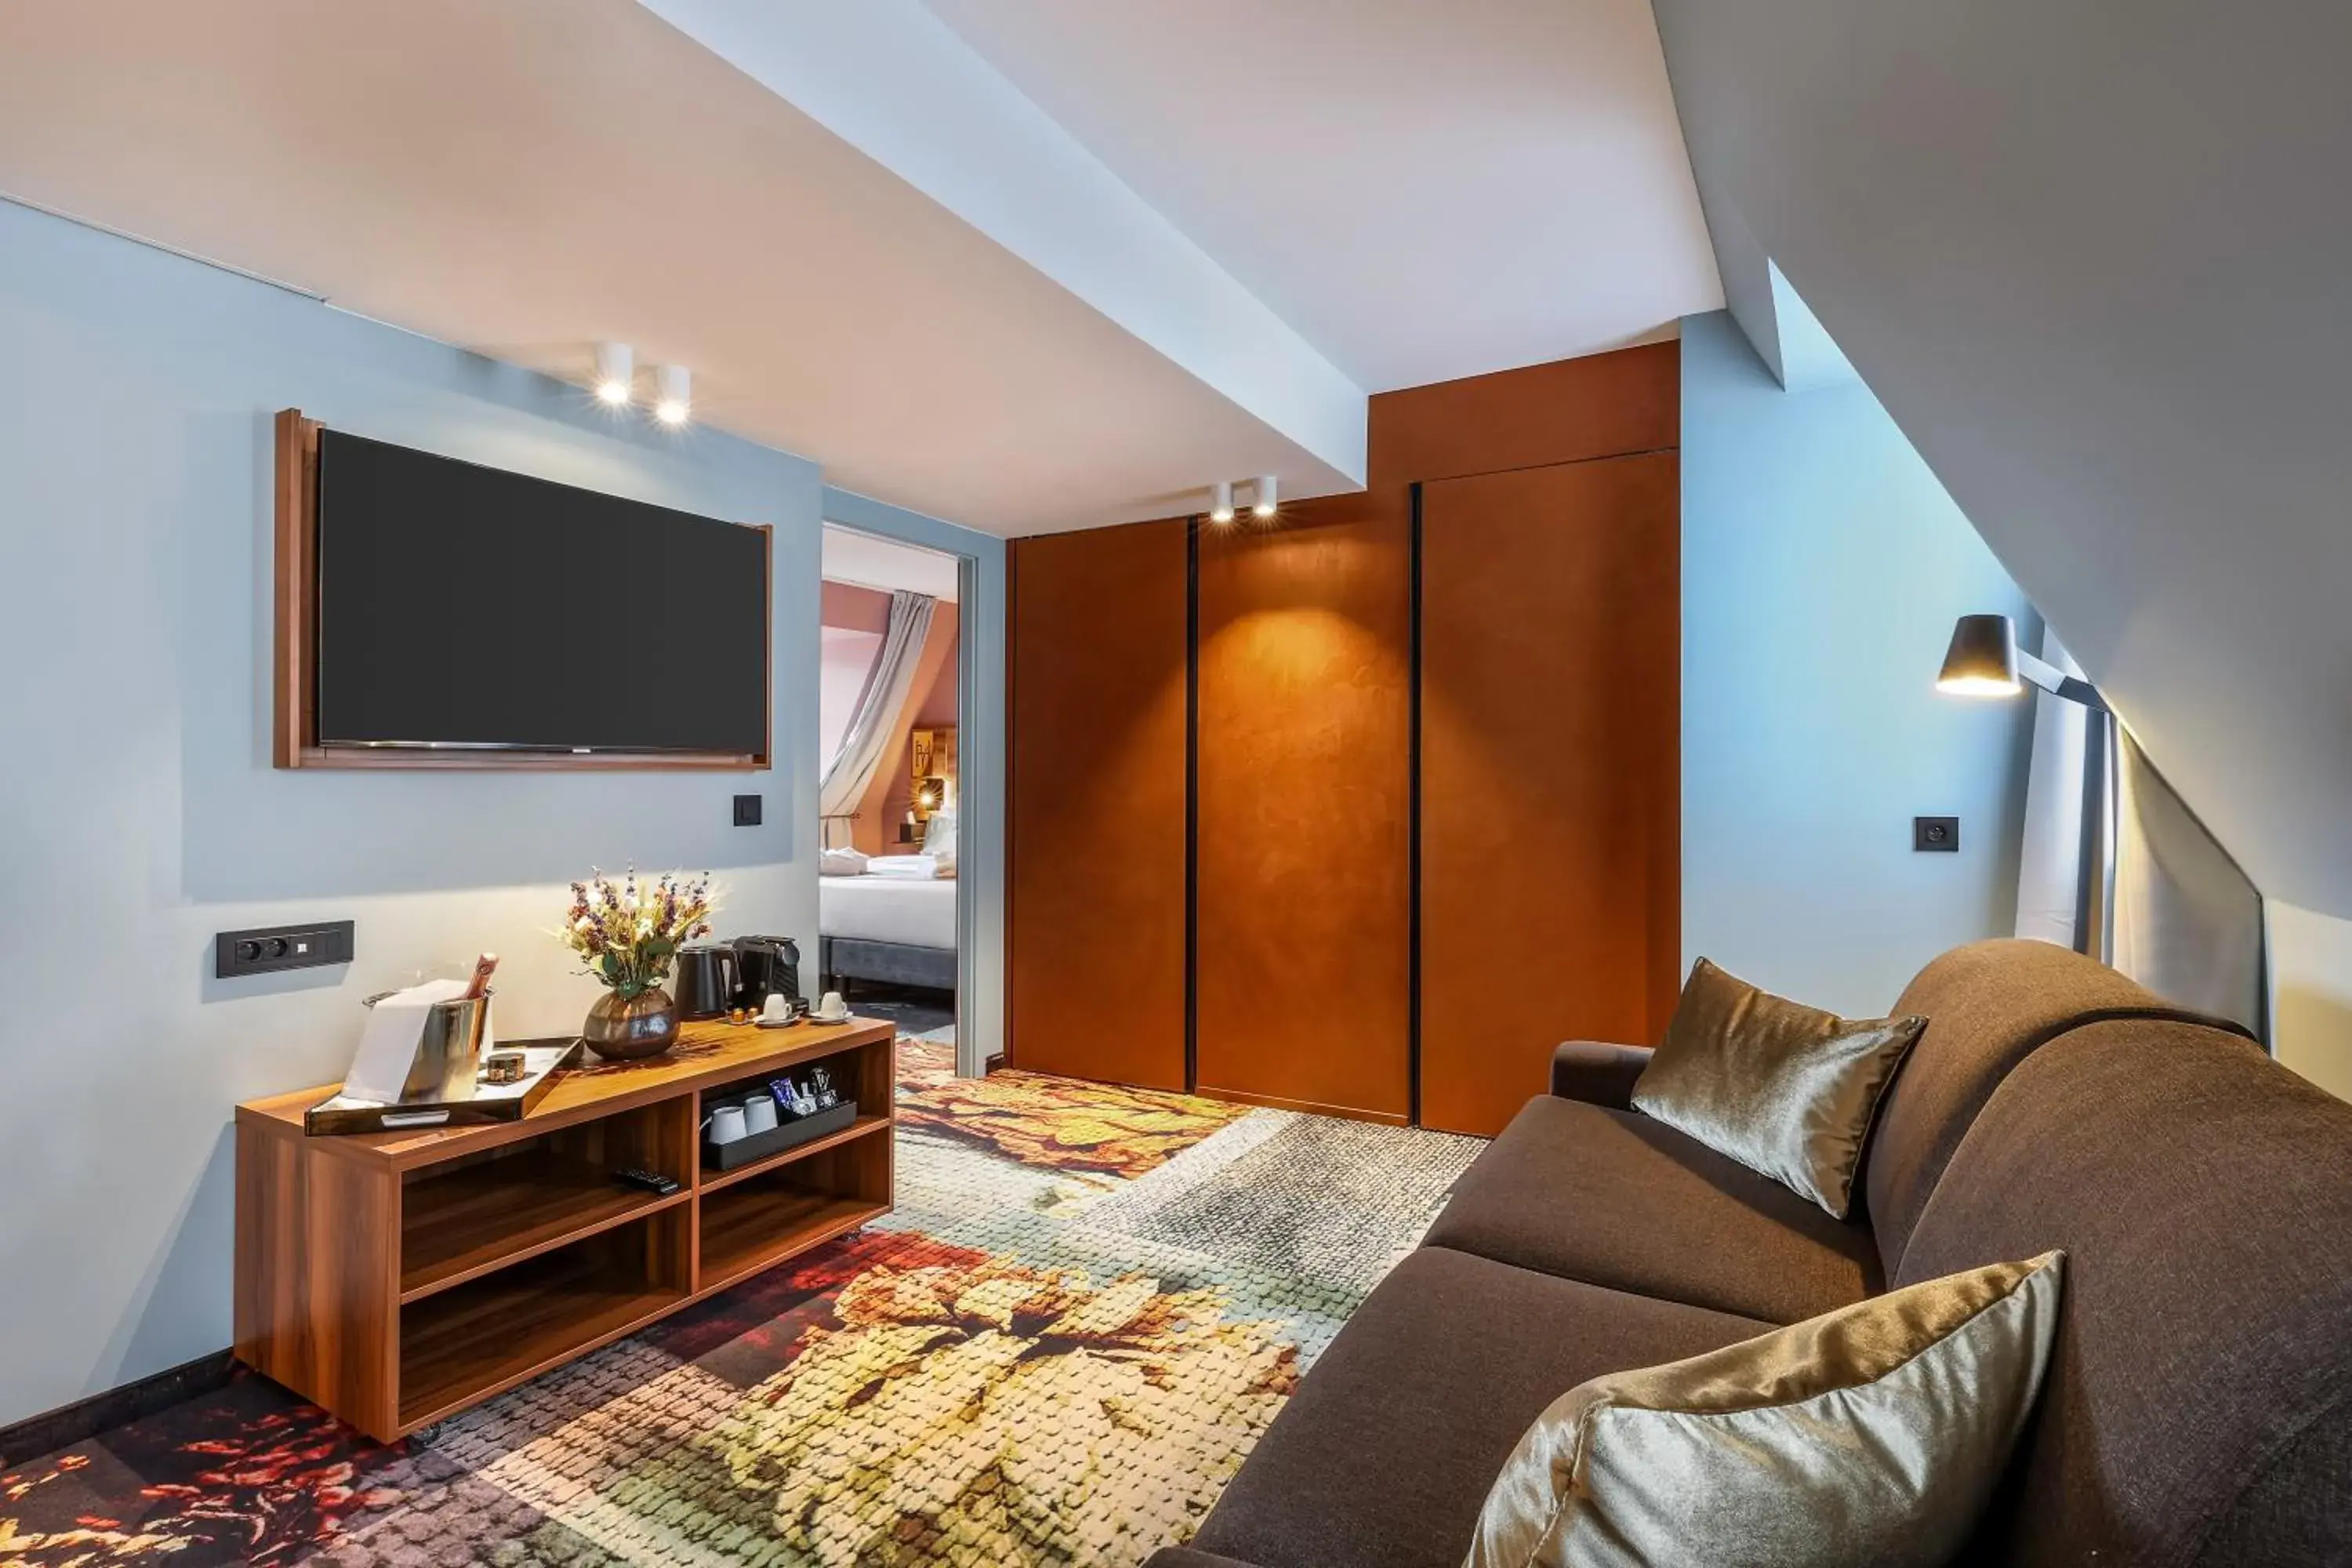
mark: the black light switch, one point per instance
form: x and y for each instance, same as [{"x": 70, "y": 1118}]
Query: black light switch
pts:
[
  {"x": 747, "y": 811},
  {"x": 1935, "y": 834},
  {"x": 266, "y": 950}
]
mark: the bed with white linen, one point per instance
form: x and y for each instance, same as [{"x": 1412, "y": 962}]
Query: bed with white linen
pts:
[{"x": 897, "y": 930}]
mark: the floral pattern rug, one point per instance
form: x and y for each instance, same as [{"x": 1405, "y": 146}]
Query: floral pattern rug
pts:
[{"x": 1089, "y": 1303}]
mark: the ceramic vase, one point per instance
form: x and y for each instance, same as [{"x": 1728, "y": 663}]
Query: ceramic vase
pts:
[{"x": 644, "y": 1025}]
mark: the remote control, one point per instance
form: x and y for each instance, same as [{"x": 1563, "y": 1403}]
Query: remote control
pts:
[{"x": 652, "y": 1181}]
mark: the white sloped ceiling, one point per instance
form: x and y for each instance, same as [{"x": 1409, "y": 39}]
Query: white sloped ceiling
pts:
[{"x": 2095, "y": 258}]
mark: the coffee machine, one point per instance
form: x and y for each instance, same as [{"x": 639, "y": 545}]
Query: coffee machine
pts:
[{"x": 766, "y": 966}]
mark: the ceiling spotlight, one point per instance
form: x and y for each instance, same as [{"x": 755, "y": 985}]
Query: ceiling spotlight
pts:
[
  {"x": 615, "y": 367},
  {"x": 1264, "y": 505},
  {"x": 672, "y": 393},
  {"x": 1220, "y": 501}
]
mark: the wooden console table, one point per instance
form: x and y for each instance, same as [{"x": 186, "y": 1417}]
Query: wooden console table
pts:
[{"x": 397, "y": 1278}]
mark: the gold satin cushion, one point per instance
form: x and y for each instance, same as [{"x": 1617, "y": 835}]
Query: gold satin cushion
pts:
[
  {"x": 1870, "y": 1435},
  {"x": 1786, "y": 1089}
]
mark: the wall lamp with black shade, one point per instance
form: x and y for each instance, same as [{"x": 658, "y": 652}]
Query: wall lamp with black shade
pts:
[{"x": 1984, "y": 660}]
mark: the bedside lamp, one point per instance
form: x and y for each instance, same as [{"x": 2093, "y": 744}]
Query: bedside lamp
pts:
[
  {"x": 1984, "y": 660},
  {"x": 930, "y": 798}
]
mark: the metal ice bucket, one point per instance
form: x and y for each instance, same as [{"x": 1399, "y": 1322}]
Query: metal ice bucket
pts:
[{"x": 448, "y": 1054}]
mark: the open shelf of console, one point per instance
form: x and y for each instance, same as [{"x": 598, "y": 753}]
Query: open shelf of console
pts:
[
  {"x": 502, "y": 1328},
  {"x": 782, "y": 1209},
  {"x": 867, "y": 1123},
  {"x": 398, "y": 1277},
  {"x": 462, "y": 1217}
]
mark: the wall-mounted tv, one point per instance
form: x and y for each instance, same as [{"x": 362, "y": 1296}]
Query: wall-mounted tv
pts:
[{"x": 462, "y": 609}]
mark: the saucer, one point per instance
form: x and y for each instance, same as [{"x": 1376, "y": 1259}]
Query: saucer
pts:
[
  {"x": 840, "y": 1018},
  {"x": 775, "y": 1022}
]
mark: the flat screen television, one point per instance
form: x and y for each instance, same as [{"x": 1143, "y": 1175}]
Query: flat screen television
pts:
[{"x": 462, "y": 608}]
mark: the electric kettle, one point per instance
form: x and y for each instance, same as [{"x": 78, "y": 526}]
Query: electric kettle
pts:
[{"x": 708, "y": 977}]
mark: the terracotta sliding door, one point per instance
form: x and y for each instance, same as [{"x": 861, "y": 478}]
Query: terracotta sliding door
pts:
[
  {"x": 1095, "y": 983},
  {"x": 1304, "y": 792},
  {"x": 1550, "y": 773}
]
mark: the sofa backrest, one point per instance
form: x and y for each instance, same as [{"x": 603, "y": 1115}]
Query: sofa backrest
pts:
[
  {"x": 2198, "y": 1405},
  {"x": 1987, "y": 1006}
]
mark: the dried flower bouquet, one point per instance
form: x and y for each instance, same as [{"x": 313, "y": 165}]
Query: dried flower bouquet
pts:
[{"x": 629, "y": 933}]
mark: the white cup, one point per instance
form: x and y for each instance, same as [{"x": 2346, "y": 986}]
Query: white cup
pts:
[
  {"x": 726, "y": 1124},
  {"x": 758, "y": 1115},
  {"x": 832, "y": 1008},
  {"x": 775, "y": 1009}
]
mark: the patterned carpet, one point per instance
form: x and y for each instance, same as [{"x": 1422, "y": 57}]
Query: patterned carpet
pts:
[{"x": 1087, "y": 1305}]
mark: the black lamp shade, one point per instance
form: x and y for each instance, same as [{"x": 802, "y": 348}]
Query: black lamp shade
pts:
[{"x": 1982, "y": 658}]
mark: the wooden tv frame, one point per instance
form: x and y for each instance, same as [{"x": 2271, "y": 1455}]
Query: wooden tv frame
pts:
[{"x": 295, "y": 703}]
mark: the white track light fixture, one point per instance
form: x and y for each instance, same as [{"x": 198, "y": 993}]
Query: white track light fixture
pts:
[
  {"x": 1220, "y": 501},
  {"x": 672, "y": 393},
  {"x": 1263, "y": 507},
  {"x": 615, "y": 375}
]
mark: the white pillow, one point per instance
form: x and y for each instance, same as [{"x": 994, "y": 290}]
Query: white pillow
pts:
[
  {"x": 903, "y": 868},
  {"x": 844, "y": 861},
  {"x": 940, "y": 841}
]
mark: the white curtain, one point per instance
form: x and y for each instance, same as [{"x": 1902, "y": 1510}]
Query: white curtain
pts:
[
  {"x": 2176, "y": 912},
  {"x": 850, "y": 771},
  {"x": 2049, "y": 867},
  {"x": 2188, "y": 923}
]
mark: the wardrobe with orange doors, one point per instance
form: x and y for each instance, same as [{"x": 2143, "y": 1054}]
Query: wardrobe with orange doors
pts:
[{"x": 1363, "y": 810}]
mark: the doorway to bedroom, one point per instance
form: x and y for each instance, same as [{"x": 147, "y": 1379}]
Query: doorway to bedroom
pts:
[{"x": 889, "y": 917}]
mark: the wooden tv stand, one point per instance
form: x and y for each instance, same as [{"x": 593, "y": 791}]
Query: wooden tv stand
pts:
[{"x": 397, "y": 1278}]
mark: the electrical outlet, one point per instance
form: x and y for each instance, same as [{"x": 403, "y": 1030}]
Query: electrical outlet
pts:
[
  {"x": 1936, "y": 835},
  {"x": 266, "y": 950},
  {"x": 747, "y": 811}
]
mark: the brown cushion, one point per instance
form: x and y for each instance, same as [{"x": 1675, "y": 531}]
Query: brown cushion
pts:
[
  {"x": 1987, "y": 1005},
  {"x": 1614, "y": 1198},
  {"x": 1383, "y": 1457},
  {"x": 1885, "y": 1425},
  {"x": 1788, "y": 1090},
  {"x": 2200, "y": 1396}
]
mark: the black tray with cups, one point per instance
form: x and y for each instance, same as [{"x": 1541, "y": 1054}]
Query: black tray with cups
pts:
[{"x": 753, "y": 1120}]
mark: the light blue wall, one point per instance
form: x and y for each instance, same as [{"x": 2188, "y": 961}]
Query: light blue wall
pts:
[
  {"x": 980, "y": 757},
  {"x": 1822, "y": 567},
  {"x": 1810, "y": 358},
  {"x": 141, "y": 813}
]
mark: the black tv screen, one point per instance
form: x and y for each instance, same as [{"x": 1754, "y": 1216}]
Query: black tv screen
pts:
[{"x": 465, "y": 606}]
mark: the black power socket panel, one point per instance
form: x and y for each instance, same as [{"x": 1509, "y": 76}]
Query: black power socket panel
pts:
[
  {"x": 266, "y": 950},
  {"x": 1936, "y": 835},
  {"x": 747, "y": 811}
]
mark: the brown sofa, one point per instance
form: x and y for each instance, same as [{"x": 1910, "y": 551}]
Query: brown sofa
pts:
[{"x": 2199, "y": 1405}]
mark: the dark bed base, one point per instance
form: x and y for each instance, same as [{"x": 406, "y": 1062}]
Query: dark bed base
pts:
[{"x": 841, "y": 958}]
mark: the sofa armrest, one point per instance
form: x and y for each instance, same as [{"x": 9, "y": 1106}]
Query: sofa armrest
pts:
[
  {"x": 1598, "y": 1073},
  {"x": 1185, "y": 1557}
]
